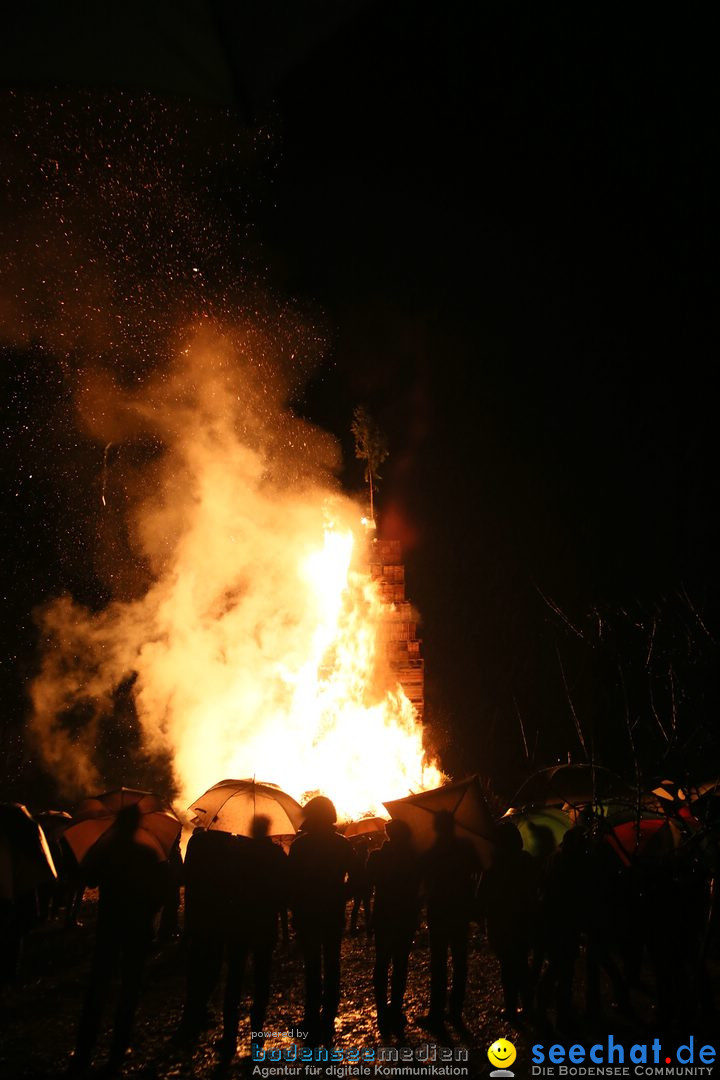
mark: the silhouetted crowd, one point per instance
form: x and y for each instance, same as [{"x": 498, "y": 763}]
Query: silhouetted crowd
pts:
[{"x": 541, "y": 914}]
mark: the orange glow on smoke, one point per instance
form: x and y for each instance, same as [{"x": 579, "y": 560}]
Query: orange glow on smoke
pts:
[{"x": 256, "y": 645}]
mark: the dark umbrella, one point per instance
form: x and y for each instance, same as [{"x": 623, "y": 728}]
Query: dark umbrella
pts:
[
  {"x": 158, "y": 828},
  {"x": 466, "y": 803},
  {"x": 704, "y": 799},
  {"x": 709, "y": 789},
  {"x": 25, "y": 859},
  {"x": 572, "y": 785}
]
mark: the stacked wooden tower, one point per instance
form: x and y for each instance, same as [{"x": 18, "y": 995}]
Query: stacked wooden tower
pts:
[{"x": 400, "y": 630}]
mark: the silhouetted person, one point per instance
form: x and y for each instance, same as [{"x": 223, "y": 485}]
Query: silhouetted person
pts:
[
  {"x": 18, "y": 916},
  {"x": 676, "y": 902},
  {"x": 449, "y": 873},
  {"x": 508, "y": 900},
  {"x": 168, "y": 928},
  {"x": 71, "y": 885},
  {"x": 603, "y": 906},
  {"x": 252, "y": 936},
  {"x": 561, "y": 920},
  {"x": 581, "y": 903},
  {"x": 322, "y": 869},
  {"x": 361, "y": 896},
  {"x": 544, "y": 847},
  {"x": 394, "y": 874},
  {"x": 132, "y": 881},
  {"x": 210, "y": 858},
  {"x": 23, "y": 871}
]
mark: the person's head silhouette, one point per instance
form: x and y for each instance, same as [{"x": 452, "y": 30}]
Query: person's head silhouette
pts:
[
  {"x": 398, "y": 833},
  {"x": 128, "y": 821},
  {"x": 260, "y": 827},
  {"x": 508, "y": 839},
  {"x": 319, "y": 814}
]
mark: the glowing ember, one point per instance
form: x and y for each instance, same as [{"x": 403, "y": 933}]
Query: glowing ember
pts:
[{"x": 257, "y": 650}]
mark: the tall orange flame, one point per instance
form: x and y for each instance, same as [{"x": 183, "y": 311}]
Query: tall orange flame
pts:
[{"x": 257, "y": 648}]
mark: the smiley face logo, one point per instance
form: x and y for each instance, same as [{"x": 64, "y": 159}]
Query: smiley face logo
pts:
[{"x": 502, "y": 1053}]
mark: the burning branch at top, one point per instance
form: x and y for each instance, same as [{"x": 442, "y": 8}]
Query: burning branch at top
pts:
[{"x": 370, "y": 447}]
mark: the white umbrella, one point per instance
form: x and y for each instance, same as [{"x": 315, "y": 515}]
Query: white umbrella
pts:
[{"x": 232, "y": 805}]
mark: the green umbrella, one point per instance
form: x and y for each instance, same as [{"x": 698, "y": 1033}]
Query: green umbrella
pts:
[{"x": 542, "y": 828}]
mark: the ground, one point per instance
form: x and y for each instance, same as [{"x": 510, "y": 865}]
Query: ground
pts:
[{"x": 40, "y": 1014}]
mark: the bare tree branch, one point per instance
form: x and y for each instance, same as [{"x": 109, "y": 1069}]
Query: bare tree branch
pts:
[
  {"x": 654, "y": 711},
  {"x": 522, "y": 728},
  {"x": 559, "y": 612},
  {"x": 652, "y": 642},
  {"x": 574, "y": 715},
  {"x": 686, "y": 596},
  {"x": 370, "y": 447},
  {"x": 671, "y": 676}
]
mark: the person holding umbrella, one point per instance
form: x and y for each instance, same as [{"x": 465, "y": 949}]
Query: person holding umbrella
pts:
[
  {"x": 323, "y": 869},
  {"x": 449, "y": 873},
  {"x": 132, "y": 880},
  {"x": 252, "y": 935},
  {"x": 26, "y": 865},
  {"x": 394, "y": 875},
  {"x": 508, "y": 898},
  {"x": 235, "y": 878},
  {"x": 212, "y": 880}
]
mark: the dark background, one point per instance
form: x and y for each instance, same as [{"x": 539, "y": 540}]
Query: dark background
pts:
[{"x": 503, "y": 214}]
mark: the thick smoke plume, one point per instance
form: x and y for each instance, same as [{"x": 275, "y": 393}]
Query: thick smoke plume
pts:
[
  {"x": 227, "y": 623},
  {"x": 235, "y": 647}
]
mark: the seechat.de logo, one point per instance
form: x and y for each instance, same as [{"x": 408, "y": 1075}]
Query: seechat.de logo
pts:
[
  {"x": 501, "y": 1054},
  {"x": 611, "y": 1053}
]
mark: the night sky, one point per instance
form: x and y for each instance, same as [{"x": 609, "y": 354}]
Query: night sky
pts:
[{"x": 501, "y": 219}]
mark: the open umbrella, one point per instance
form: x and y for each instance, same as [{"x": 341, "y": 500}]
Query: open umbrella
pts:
[
  {"x": 231, "y": 806},
  {"x": 704, "y": 799},
  {"x": 158, "y": 828},
  {"x": 25, "y": 859},
  {"x": 633, "y": 831},
  {"x": 708, "y": 789},
  {"x": 650, "y": 836},
  {"x": 466, "y": 803},
  {"x": 668, "y": 797},
  {"x": 572, "y": 785},
  {"x": 53, "y": 823},
  {"x": 542, "y": 828},
  {"x": 365, "y": 826}
]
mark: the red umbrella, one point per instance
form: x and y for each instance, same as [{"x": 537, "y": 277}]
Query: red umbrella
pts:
[
  {"x": 650, "y": 836},
  {"x": 158, "y": 828}
]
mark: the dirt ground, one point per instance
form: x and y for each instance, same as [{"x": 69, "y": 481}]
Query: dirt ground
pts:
[{"x": 40, "y": 1015}]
